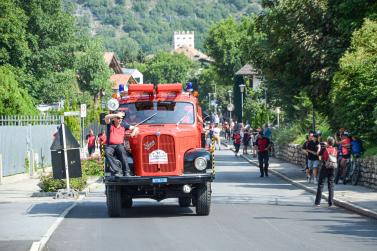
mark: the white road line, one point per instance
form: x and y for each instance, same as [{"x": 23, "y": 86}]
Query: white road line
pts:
[{"x": 39, "y": 245}]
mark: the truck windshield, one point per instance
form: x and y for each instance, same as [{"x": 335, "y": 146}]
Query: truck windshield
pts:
[{"x": 167, "y": 112}]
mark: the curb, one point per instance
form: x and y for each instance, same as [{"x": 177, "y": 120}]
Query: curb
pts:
[
  {"x": 340, "y": 203},
  {"x": 39, "y": 245}
]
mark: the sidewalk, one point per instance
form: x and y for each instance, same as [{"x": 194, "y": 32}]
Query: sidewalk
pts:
[
  {"x": 358, "y": 199},
  {"x": 24, "y": 218}
]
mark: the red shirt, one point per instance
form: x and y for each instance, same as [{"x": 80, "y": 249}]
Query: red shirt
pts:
[
  {"x": 117, "y": 135},
  {"x": 262, "y": 144},
  {"x": 91, "y": 140},
  {"x": 102, "y": 138},
  {"x": 345, "y": 142}
]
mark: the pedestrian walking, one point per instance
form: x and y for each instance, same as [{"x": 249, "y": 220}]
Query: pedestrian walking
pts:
[
  {"x": 91, "y": 142},
  {"x": 246, "y": 140},
  {"x": 263, "y": 145},
  {"x": 327, "y": 171},
  {"x": 216, "y": 136},
  {"x": 101, "y": 141},
  {"x": 236, "y": 141},
  {"x": 312, "y": 151}
]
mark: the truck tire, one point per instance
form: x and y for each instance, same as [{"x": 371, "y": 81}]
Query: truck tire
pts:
[
  {"x": 203, "y": 199},
  {"x": 184, "y": 201},
  {"x": 113, "y": 201}
]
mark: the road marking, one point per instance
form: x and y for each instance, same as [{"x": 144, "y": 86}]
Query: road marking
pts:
[{"x": 39, "y": 245}]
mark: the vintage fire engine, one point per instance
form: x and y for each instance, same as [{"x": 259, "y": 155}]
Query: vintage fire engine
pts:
[{"x": 168, "y": 154}]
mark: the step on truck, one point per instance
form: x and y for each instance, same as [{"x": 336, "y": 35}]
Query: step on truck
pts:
[{"x": 168, "y": 155}]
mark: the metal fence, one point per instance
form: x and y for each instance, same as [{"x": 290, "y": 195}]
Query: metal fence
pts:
[
  {"x": 21, "y": 136},
  {"x": 24, "y": 120}
]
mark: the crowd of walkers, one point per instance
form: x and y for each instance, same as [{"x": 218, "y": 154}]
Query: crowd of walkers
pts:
[
  {"x": 256, "y": 142},
  {"x": 330, "y": 160}
]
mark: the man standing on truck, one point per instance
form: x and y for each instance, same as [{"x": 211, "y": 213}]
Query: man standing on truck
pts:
[{"x": 115, "y": 144}]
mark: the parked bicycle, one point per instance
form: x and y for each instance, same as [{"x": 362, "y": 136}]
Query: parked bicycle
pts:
[
  {"x": 341, "y": 172},
  {"x": 355, "y": 172}
]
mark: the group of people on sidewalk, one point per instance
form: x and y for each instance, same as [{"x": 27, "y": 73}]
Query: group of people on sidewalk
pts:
[
  {"x": 259, "y": 141},
  {"x": 323, "y": 158}
]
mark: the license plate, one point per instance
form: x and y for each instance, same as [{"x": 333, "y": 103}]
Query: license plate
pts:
[{"x": 159, "y": 180}]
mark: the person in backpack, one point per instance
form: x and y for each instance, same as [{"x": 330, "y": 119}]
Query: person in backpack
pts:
[
  {"x": 246, "y": 140},
  {"x": 263, "y": 145},
  {"x": 236, "y": 141},
  {"x": 357, "y": 148},
  {"x": 328, "y": 157}
]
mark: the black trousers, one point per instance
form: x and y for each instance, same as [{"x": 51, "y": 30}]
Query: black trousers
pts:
[
  {"x": 263, "y": 160},
  {"x": 324, "y": 173},
  {"x": 111, "y": 154}
]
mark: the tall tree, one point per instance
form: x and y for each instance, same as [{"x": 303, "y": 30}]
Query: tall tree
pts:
[
  {"x": 13, "y": 44},
  {"x": 355, "y": 90},
  {"x": 167, "y": 67},
  {"x": 13, "y": 99}
]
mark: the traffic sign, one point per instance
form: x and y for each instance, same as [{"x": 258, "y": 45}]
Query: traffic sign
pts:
[
  {"x": 83, "y": 110},
  {"x": 230, "y": 107},
  {"x": 67, "y": 114}
]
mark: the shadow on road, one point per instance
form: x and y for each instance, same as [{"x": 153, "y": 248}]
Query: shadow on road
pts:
[{"x": 140, "y": 209}]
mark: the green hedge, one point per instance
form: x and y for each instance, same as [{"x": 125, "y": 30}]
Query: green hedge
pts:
[{"x": 90, "y": 167}]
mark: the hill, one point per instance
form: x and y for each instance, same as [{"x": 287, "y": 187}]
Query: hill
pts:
[{"x": 137, "y": 27}]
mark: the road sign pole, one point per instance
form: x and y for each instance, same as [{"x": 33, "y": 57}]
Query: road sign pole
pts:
[
  {"x": 1, "y": 169},
  {"x": 65, "y": 158}
]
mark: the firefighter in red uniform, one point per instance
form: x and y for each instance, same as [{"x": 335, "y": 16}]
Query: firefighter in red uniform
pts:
[
  {"x": 115, "y": 143},
  {"x": 262, "y": 144}
]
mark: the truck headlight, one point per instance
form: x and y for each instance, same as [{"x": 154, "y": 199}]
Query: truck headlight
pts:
[
  {"x": 200, "y": 163},
  {"x": 112, "y": 104}
]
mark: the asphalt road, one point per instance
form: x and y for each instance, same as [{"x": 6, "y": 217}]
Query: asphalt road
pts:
[{"x": 248, "y": 213}]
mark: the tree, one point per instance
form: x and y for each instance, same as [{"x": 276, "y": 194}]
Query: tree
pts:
[
  {"x": 222, "y": 44},
  {"x": 13, "y": 44},
  {"x": 167, "y": 67},
  {"x": 13, "y": 100},
  {"x": 93, "y": 73},
  {"x": 354, "y": 93}
]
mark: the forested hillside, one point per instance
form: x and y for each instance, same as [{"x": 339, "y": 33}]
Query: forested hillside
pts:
[{"x": 132, "y": 27}]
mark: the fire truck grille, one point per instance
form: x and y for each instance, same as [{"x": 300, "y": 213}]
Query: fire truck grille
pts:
[{"x": 164, "y": 143}]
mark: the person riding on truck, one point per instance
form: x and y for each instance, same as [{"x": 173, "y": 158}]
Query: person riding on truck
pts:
[{"x": 117, "y": 128}]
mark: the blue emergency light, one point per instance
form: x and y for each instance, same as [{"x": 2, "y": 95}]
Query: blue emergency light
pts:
[
  {"x": 121, "y": 88},
  {"x": 189, "y": 87}
]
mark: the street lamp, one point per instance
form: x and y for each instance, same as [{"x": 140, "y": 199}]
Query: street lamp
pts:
[
  {"x": 278, "y": 111},
  {"x": 242, "y": 88},
  {"x": 230, "y": 102}
]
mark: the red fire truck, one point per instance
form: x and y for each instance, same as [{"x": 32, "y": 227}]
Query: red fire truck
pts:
[{"x": 168, "y": 154}]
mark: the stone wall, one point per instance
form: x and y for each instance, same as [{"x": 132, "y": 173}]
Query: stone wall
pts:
[{"x": 294, "y": 154}]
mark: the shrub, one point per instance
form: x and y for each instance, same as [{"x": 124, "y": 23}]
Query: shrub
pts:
[
  {"x": 92, "y": 167},
  {"x": 49, "y": 184}
]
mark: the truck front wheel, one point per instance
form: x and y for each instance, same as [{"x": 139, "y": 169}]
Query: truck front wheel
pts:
[
  {"x": 113, "y": 201},
  {"x": 203, "y": 199}
]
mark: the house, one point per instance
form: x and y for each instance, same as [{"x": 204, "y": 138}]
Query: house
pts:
[
  {"x": 121, "y": 79},
  {"x": 184, "y": 42},
  {"x": 137, "y": 75},
  {"x": 112, "y": 62},
  {"x": 194, "y": 54},
  {"x": 249, "y": 72}
]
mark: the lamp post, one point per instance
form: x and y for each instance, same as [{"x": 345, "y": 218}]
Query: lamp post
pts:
[
  {"x": 230, "y": 101},
  {"x": 242, "y": 88},
  {"x": 209, "y": 102},
  {"x": 278, "y": 113}
]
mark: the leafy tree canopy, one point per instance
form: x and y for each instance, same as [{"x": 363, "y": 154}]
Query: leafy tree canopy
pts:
[
  {"x": 167, "y": 67},
  {"x": 13, "y": 99},
  {"x": 355, "y": 91}
]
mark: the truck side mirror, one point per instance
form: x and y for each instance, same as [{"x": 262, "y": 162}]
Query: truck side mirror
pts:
[{"x": 102, "y": 118}]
